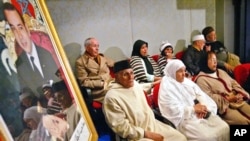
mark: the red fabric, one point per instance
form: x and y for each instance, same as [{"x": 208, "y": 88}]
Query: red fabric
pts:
[
  {"x": 112, "y": 74},
  {"x": 149, "y": 99},
  {"x": 29, "y": 9},
  {"x": 155, "y": 57},
  {"x": 241, "y": 73},
  {"x": 193, "y": 77},
  {"x": 96, "y": 105},
  {"x": 155, "y": 95},
  {"x": 179, "y": 55}
]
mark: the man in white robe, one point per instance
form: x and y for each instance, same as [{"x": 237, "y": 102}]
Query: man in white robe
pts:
[
  {"x": 128, "y": 113},
  {"x": 191, "y": 110}
]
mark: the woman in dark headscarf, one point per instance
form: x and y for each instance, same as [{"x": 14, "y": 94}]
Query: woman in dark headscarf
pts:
[
  {"x": 225, "y": 91},
  {"x": 146, "y": 70}
]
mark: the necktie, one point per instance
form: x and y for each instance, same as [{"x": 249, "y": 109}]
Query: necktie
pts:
[{"x": 35, "y": 69}]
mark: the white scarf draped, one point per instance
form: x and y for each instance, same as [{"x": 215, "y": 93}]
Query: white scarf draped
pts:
[{"x": 176, "y": 100}]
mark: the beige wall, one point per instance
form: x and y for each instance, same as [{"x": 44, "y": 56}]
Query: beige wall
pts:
[{"x": 118, "y": 23}]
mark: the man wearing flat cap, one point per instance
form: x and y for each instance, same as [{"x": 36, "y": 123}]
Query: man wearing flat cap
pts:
[
  {"x": 63, "y": 97},
  {"x": 194, "y": 54},
  {"x": 127, "y": 112}
]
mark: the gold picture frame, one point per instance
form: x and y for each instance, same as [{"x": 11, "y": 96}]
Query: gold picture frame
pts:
[{"x": 85, "y": 129}]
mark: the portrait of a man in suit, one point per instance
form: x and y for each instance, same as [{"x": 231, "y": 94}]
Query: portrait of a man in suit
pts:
[{"x": 35, "y": 64}]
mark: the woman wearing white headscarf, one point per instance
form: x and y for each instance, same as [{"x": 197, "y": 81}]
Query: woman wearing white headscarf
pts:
[{"x": 188, "y": 107}]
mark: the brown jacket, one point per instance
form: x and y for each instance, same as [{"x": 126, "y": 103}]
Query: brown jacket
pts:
[
  {"x": 216, "y": 89},
  {"x": 92, "y": 75}
]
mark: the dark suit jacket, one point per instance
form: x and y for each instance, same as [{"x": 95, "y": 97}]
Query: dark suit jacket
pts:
[
  {"x": 191, "y": 59},
  {"x": 34, "y": 81}
]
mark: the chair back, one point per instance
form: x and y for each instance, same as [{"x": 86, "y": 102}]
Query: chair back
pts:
[
  {"x": 179, "y": 55},
  {"x": 155, "y": 95}
]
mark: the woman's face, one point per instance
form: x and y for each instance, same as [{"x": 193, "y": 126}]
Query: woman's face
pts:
[
  {"x": 211, "y": 37},
  {"x": 180, "y": 74},
  {"x": 212, "y": 62},
  {"x": 168, "y": 51},
  {"x": 31, "y": 123},
  {"x": 144, "y": 50}
]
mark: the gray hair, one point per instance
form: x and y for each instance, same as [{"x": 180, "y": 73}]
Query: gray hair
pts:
[{"x": 87, "y": 41}]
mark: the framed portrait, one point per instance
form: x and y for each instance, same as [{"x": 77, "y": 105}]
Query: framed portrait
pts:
[{"x": 39, "y": 95}]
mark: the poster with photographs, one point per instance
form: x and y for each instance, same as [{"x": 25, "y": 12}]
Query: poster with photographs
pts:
[{"x": 39, "y": 96}]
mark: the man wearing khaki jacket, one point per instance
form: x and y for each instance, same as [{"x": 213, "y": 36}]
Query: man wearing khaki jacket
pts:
[{"x": 92, "y": 69}]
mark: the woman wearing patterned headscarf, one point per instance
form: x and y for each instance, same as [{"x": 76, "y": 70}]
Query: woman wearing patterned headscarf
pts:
[{"x": 191, "y": 110}]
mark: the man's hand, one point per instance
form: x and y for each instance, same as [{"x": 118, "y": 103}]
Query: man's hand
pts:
[
  {"x": 231, "y": 98},
  {"x": 229, "y": 67},
  {"x": 208, "y": 48},
  {"x": 153, "y": 136}
]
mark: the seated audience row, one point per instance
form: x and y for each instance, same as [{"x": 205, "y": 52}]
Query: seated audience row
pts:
[
  {"x": 226, "y": 60},
  {"x": 141, "y": 68}
]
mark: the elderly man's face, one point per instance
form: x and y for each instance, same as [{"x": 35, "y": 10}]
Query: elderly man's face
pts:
[
  {"x": 93, "y": 48},
  {"x": 125, "y": 78},
  {"x": 200, "y": 44}
]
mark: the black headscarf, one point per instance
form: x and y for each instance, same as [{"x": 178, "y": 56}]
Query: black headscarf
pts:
[
  {"x": 136, "y": 52},
  {"x": 137, "y": 47},
  {"x": 204, "y": 63}
]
